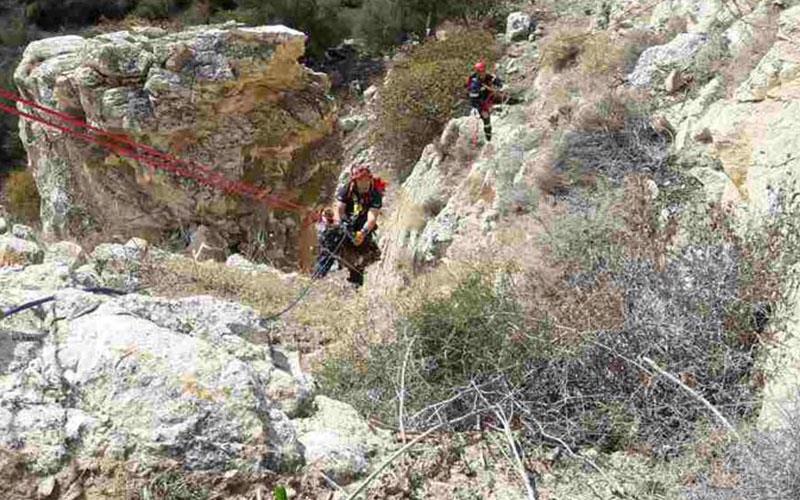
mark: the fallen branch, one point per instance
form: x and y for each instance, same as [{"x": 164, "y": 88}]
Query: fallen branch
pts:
[
  {"x": 694, "y": 394},
  {"x": 405, "y": 448}
]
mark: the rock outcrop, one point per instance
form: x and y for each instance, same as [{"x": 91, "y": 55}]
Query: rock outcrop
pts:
[
  {"x": 752, "y": 135},
  {"x": 662, "y": 58},
  {"x": 147, "y": 378},
  {"x": 231, "y": 97}
]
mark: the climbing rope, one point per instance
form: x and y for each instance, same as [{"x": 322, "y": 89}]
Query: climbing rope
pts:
[
  {"x": 35, "y": 303},
  {"x": 123, "y": 146},
  {"x": 316, "y": 275}
]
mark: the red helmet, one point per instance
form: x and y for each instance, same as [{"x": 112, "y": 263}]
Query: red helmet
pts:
[
  {"x": 360, "y": 173},
  {"x": 480, "y": 67}
]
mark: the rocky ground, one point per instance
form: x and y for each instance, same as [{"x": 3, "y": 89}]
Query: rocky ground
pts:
[{"x": 111, "y": 396}]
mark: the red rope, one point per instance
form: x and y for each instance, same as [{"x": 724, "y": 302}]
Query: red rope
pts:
[{"x": 122, "y": 145}]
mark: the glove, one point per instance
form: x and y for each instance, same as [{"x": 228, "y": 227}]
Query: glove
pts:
[{"x": 359, "y": 238}]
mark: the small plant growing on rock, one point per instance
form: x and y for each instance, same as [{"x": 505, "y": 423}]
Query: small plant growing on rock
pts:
[{"x": 21, "y": 196}]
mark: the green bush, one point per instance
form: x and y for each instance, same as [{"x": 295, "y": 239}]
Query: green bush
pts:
[
  {"x": 22, "y": 197},
  {"x": 450, "y": 340},
  {"x": 425, "y": 90},
  {"x": 159, "y": 9}
]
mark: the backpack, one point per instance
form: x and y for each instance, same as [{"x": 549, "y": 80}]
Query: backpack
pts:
[{"x": 474, "y": 86}]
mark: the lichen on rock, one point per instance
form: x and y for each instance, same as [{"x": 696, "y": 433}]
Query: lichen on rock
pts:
[{"x": 231, "y": 97}]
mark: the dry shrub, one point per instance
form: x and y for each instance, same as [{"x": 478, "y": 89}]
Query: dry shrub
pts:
[
  {"x": 264, "y": 292},
  {"x": 21, "y": 196},
  {"x": 643, "y": 236},
  {"x": 574, "y": 312},
  {"x": 676, "y": 25},
  {"x": 609, "y": 114},
  {"x": 551, "y": 182},
  {"x": 561, "y": 50},
  {"x": 610, "y": 140},
  {"x": 603, "y": 55},
  {"x": 11, "y": 260}
]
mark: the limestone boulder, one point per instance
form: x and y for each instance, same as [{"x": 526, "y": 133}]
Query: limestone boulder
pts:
[
  {"x": 149, "y": 379},
  {"x": 663, "y": 58},
  {"x": 65, "y": 252},
  {"x": 338, "y": 441},
  {"x": 230, "y": 97},
  {"x": 518, "y": 26}
]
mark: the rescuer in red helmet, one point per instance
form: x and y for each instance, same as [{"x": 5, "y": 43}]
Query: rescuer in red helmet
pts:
[
  {"x": 355, "y": 219},
  {"x": 482, "y": 88}
]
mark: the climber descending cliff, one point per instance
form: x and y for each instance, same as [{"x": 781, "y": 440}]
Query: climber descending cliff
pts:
[
  {"x": 482, "y": 89},
  {"x": 347, "y": 234}
]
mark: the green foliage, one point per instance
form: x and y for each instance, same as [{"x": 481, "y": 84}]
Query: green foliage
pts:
[
  {"x": 450, "y": 341},
  {"x": 159, "y": 9},
  {"x": 11, "y": 152},
  {"x": 171, "y": 485},
  {"x": 382, "y": 22},
  {"x": 325, "y": 21},
  {"x": 22, "y": 198},
  {"x": 586, "y": 237},
  {"x": 14, "y": 32},
  {"x": 424, "y": 90},
  {"x": 280, "y": 493}
]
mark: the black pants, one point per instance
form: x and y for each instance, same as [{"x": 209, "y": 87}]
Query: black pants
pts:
[
  {"x": 487, "y": 125},
  {"x": 486, "y": 116},
  {"x": 335, "y": 245}
]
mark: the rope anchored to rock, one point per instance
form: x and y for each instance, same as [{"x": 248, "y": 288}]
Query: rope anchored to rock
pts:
[{"x": 35, "y": 303}]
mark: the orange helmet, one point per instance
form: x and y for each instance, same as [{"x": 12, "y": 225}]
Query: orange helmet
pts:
[{"x": 480, "y": 67}]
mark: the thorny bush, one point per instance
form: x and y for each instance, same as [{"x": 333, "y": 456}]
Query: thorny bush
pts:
[
  {"x": 697, "y": 305},
  {"x": 611, "y": 141},
  {"x": 766, "y": 466}
]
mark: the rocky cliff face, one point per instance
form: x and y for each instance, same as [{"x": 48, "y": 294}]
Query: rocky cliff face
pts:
[
  {"x": 144, "y": 378},
  {"x": 233, "y": 98}
]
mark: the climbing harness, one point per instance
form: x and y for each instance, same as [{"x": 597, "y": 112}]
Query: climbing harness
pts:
[{"x": 35, "y": 303}]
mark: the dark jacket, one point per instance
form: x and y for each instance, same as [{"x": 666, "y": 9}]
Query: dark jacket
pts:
[
  {"x": 480, "y": 89},
  {"x": 357, "y": 205}
]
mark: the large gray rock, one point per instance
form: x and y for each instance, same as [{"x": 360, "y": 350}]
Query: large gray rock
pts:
[
  {"x": 117, "y": 265},
  {"x": 149, "y": 378},
  {"x": 338, "y": 441},
  {"x": 442, "y": 204},
  {"x": 66, "y": 252},
  {"x": 743, "y": 32},
  {"x": 779, "y": 66},
  {"x": 663, "y": 58},
  {"x": 227, "y": 96},
  {"x": 701, "y": 16},
  {"x": 518, "y": 26},
  {"x": 754, "y": 134}
]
